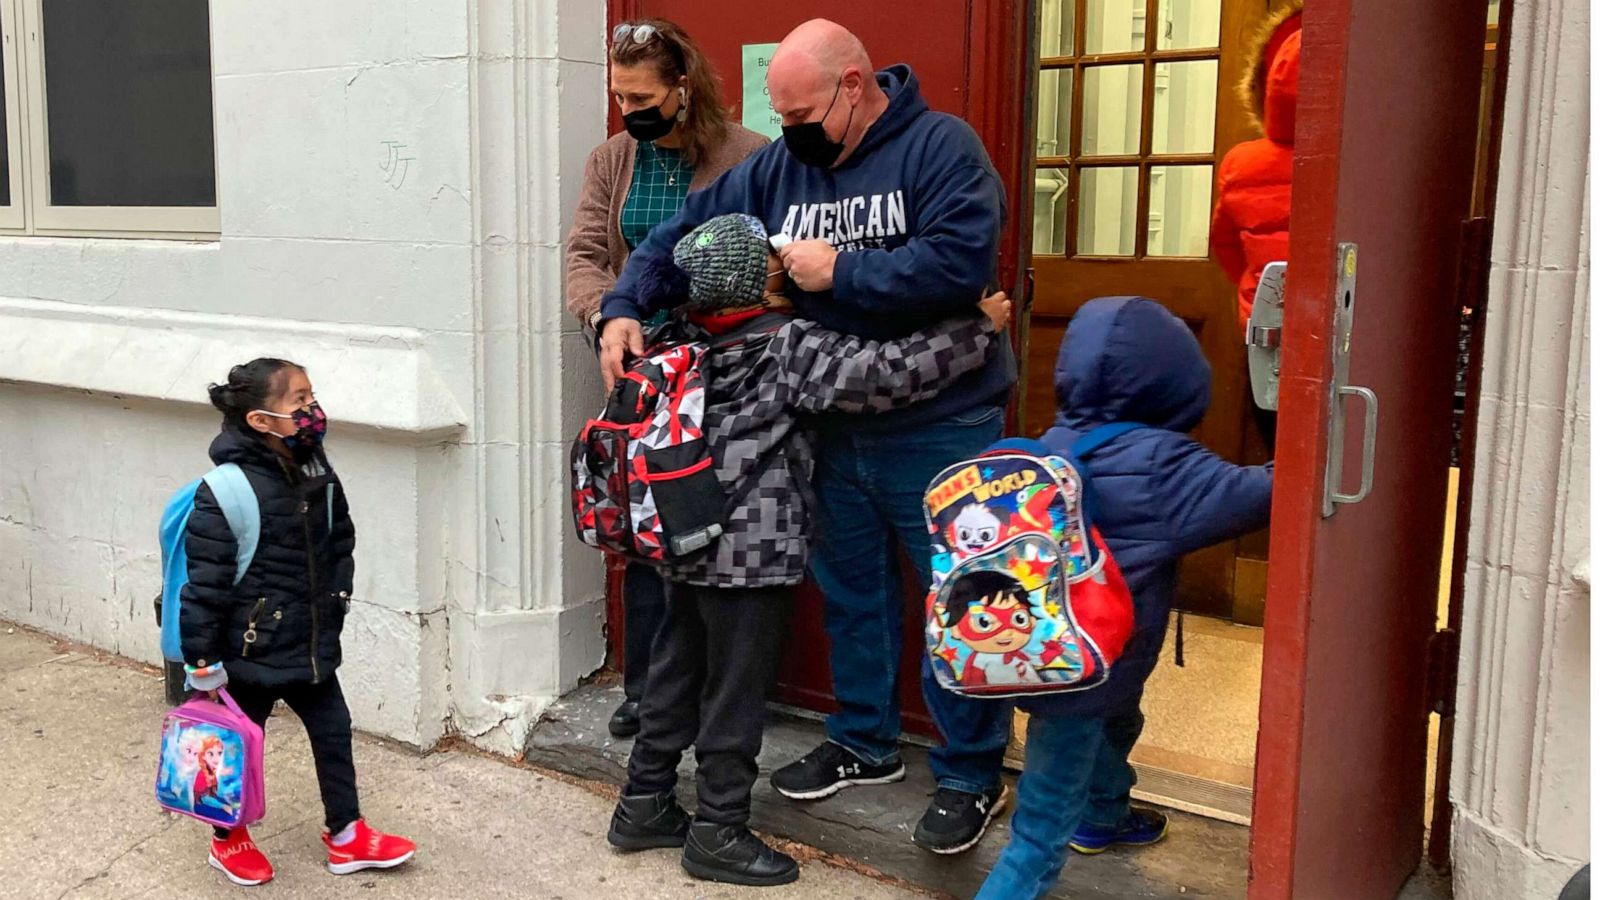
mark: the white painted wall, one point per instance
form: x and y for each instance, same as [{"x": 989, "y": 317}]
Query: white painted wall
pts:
[
  {"x": 1521, "y": 780},
  {"x": 424, "y": 297}
]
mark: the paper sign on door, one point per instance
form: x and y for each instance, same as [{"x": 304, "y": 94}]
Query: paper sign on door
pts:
[{"x": 757, "y": 109}]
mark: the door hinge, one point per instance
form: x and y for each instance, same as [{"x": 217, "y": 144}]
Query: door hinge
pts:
[{"x": 1444, "y": 653}]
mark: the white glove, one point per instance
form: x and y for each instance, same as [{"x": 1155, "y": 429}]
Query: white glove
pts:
[{"x": 208, "y": 679}]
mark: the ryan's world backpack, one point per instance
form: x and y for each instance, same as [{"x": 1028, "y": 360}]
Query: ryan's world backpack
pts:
[
  {"x": 243, "y": 512},
  {"x": 643, "y": 481},
  {"x": 1026, "y": 598}
]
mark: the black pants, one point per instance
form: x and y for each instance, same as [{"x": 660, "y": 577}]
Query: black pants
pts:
[
  {"x": 713, "y": 660},
  {"x": 322, "y": 710},
  {"x": 644, "y": 604}
]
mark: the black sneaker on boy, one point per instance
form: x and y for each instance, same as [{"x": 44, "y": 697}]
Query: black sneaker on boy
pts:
[
  {"x": 648, "y": 821},
  {"x": 829, "y": 769},
  {"x": 956, "y": 820},
  {"x": 730, "y": 854}
]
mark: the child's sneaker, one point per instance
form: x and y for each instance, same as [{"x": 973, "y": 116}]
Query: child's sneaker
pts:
[
  {"x": 1138, "y": 828},
  {"x": 237, "y": 857},
  {"x": 367, "y": 849}
]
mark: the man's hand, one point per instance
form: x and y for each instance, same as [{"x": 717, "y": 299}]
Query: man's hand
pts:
[
  {"x": 620, "y": 338},
  {"x": 997, "y": 306},
  {"x": 810, "y": 264}
]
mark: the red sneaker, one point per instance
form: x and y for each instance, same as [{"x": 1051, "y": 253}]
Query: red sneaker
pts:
[
  {"x": 367, "y": 850},
  {"x": 240, "y": 859}
]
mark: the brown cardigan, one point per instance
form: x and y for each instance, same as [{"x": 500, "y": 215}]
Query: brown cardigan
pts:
[{"x": 595, "y": 248}]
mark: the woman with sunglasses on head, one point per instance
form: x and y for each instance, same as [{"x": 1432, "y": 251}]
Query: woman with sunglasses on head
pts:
[{"x": 678, "y": 138}]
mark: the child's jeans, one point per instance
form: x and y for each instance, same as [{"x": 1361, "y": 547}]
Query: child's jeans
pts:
[{"x": 1076, "y": 771}]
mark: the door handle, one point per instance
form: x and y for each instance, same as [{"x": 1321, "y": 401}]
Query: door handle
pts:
[
  {"x": 1369, "y": 444},
  {"x": 1339, "y": 387}
]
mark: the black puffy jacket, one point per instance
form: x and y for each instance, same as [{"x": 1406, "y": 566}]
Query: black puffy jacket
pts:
[{"x": 281, "y": 623}]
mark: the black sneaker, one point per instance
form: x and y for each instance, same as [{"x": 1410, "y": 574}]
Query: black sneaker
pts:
[
  {"x": 956, "y": 820},
  {"x": 625, "y": 721},
  {"x": 648, "y": 821},
  {"x": 730, "y": 854},
  {"x": 830, "y": 768}
]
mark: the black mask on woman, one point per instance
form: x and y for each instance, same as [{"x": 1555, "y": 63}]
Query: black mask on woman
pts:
[
  {"x": 650, "y": 124},
  {"x": 809, "y": 143}
]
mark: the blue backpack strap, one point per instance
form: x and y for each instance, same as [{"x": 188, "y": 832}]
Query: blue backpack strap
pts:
[
  {"x": 242, "y": 510},
  {"x": 1087, "y": 443},
  {"x": 1095, "y": 438},
  {"x": 174, "y": 566}
]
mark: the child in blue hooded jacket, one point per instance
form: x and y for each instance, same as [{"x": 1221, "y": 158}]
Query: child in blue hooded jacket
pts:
[{"x": 1160, "y": 495}]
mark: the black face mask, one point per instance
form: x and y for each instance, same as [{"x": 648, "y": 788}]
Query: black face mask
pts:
[
  {"x": 809, "y": 142},
  {"x": 648, "y": 124}
]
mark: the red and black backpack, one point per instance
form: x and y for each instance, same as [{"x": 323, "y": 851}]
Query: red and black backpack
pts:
[{"x": 643, "y": 480}]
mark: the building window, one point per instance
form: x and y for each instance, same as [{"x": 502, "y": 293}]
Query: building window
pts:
[
  {"x": 1127, "y": 127},
  {"x": 108, "y": 118}
]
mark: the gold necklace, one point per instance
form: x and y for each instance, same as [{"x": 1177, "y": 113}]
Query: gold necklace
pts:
[{"x": 672, "y": 174}]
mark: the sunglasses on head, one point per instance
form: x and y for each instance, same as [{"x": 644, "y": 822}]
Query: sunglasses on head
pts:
[{"x": 640, "y": 34}]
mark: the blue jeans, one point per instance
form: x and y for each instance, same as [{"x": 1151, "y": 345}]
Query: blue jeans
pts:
[
  {"x": 1076, "y": 772},
  {"x": 869, "y": 489}
]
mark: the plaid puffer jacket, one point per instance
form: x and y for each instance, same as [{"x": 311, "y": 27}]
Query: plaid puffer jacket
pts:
[{"x": 761, "y": 376}]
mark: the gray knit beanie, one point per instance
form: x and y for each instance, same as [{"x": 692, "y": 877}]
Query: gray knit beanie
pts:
[{"x": 726, "y": 261}]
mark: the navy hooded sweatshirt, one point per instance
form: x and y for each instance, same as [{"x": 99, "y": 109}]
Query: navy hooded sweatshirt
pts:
[
  {"x": 1160, "y": 494},
  {"x": 915, "y": 213}
]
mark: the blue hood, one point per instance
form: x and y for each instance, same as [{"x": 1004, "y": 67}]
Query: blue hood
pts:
[
  {"x": 905, "y": 105},
  {"x": 1127, "y": 359}
]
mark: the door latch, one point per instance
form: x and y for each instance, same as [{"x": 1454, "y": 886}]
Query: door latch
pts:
[
  {"x": 1339, "y": 387},
  {"x": 1263, "y": 338}
]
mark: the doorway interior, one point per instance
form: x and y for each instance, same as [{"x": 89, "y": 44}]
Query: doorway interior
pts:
[{"x": 1135, "y": 104}]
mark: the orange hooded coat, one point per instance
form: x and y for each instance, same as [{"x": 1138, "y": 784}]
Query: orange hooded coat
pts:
[{"x": 1250, "y": 225}]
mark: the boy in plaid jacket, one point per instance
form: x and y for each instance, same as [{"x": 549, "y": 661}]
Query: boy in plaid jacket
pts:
[{"x": 728, "y": 608}]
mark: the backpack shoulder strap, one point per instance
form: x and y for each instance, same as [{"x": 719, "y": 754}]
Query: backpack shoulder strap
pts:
[
  {"x": 1095, "y": 438},
  {"x": 242, "y": 510},
  {"x": 1087, "y": 443}
]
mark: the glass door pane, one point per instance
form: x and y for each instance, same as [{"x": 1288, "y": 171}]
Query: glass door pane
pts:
[
  {"x": 1055, "y": 27},
  {"x": 1050, "y": 204},
  {"x": 1113, "y": 26},
  {"x": 1180, "y": 210},
  {"x": 1055, "y": 113},
  {"x": 1112, "y": 100},
  {"x": 1109, "y": 199},
  {"x": 1189, "y": 24},
  {"x": 1184, "y": 119}
]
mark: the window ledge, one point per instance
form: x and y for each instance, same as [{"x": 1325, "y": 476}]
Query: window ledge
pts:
[{"x": 380, "y": 379}]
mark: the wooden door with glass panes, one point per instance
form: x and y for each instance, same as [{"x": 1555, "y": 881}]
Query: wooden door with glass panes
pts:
[{"x": 1136, "y": 105}]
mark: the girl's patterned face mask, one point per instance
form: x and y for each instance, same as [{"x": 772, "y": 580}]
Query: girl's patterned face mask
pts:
[{"x": 310, "y": 424}]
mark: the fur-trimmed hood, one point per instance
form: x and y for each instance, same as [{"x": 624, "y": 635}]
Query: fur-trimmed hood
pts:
[{"x": 1269, "y": 38}]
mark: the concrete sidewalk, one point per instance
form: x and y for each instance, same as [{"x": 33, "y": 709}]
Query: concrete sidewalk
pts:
[{"x": 80, "y": 819}]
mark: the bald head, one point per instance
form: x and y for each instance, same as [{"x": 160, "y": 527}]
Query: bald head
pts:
[
  {"x": 821, "y": 72},
  {"x": 818, "y": 48}
]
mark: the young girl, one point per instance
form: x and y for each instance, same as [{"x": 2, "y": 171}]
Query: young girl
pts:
[{"x": 275, "y": 635}]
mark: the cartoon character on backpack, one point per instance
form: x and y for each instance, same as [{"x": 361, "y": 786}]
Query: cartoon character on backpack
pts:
[
  {"x": 992, "y": 613},
  {"x": 1025, "y": 598}
]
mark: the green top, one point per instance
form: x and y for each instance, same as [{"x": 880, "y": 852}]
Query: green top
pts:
[{"x": 660, "y": 185}]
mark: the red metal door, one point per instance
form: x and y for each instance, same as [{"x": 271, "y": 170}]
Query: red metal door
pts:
[
  {"x": 1384, "y": 157},
  {"x": 970, "y": 57}
]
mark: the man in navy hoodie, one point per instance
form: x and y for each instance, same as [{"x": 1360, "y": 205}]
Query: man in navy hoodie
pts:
[{"x": 894, "y": 214}]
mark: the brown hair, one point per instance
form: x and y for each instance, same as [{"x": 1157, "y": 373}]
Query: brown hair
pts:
[{"x": 675, "y": 56}]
